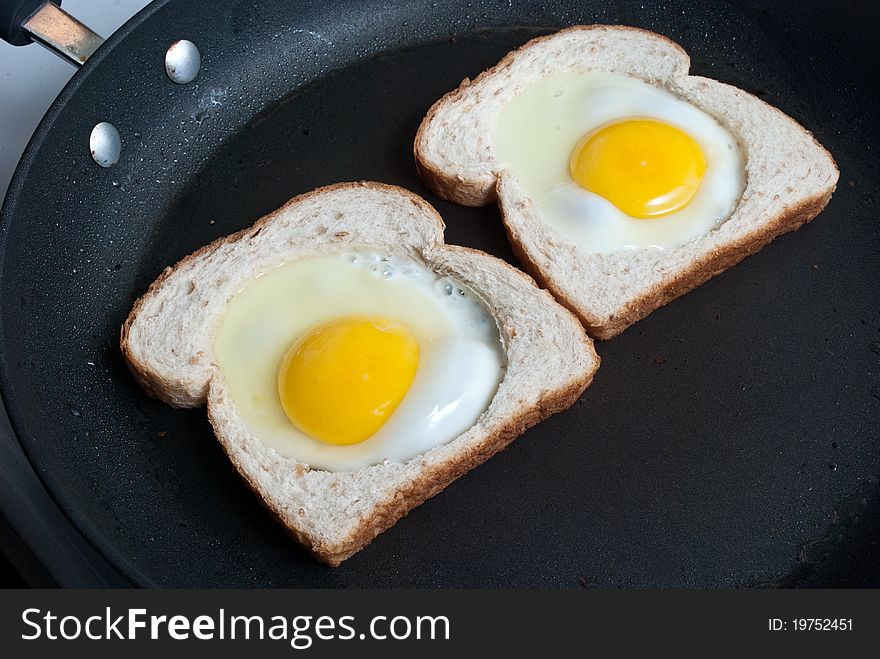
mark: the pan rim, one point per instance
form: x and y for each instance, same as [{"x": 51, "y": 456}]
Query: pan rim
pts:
[{"x": 19, "y": 179}]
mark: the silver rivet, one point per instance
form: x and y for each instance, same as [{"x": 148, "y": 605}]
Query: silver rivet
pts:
[
  {"x": 105, "y": 144},
  {"x": 182, "y": 61}
]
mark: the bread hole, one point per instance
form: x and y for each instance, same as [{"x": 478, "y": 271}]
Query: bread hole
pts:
[
  {"x": 341, "y": 234},
  {"x": 321, "y": 230},
  {"x": 191, "y": 289},
  {"x": 339, "y": 215},
  {"x": 255, "y": 233}
]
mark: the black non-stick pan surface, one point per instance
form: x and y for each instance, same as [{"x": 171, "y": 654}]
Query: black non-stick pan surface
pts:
[{"x": 730, "y": 439}]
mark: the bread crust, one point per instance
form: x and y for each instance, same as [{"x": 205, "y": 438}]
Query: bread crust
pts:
[
  {"x": 483, "y": 190},
  {"x": 431, "y": 477}
]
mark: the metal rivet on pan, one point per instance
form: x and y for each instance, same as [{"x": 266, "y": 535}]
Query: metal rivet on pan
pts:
[
  {"x": 105, "y": 144},
  {"x": 182, "y": 61}
]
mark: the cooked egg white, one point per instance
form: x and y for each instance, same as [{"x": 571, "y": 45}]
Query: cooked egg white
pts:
[
  {"x": 348, "y": 360},
  {"x": 594, "y": 150}
]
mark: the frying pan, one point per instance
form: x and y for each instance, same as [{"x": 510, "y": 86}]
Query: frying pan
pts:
[{"x": 730, "y": 439}]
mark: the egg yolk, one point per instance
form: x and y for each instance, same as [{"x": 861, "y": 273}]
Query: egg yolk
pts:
[
  {"x": 341, "y": 381},
  {"x": 644, "y": 167}
]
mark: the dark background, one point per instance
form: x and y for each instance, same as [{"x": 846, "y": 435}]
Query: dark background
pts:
[{"x": 9, "y": 576}]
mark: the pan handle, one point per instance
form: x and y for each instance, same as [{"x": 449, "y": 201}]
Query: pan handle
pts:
[{"x": 24, "y": 21}]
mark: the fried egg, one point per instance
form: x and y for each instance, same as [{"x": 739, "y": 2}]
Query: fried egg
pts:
[
  {"x": 615, "y": 164},
  {"x": 349, "y": 360}
]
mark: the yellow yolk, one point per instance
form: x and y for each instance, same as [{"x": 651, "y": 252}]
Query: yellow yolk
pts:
[
  {"x": 644, "y": 167},
  {"x": 342, "y": 380}
]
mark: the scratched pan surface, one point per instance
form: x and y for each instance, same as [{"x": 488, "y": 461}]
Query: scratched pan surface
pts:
[{"x": 729, "y": 440}]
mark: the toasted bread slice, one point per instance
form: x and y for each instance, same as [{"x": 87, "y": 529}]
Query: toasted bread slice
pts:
[
  {"x": 789, "y": 176},
  {"x": 168, "y": 341}
]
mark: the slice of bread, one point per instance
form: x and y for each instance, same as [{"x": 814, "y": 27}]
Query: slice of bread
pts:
[
  {"x": 168, "y": 342},
  {"x": 789, "y": 176}
]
